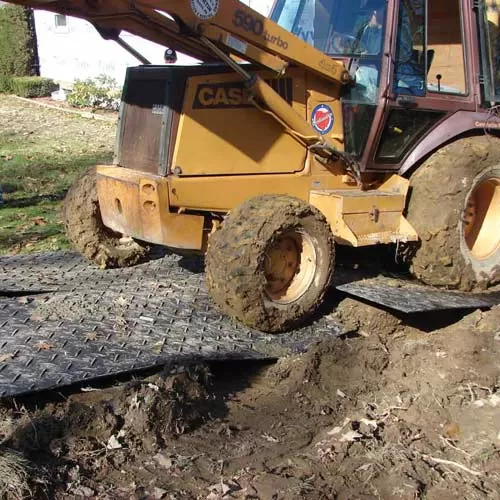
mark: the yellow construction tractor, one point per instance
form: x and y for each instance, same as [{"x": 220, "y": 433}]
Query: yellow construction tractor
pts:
[{"x": 333, "y": 122}]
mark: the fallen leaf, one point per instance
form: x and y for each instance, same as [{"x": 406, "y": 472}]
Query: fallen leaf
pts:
[
  {"x": 121, "y": 301},
  {"x": 158, "y": 493},
  {"x": 113, "y": 443},
  {"x": 163, "y": 461},
  {"x": 220, "y": 490},
  {"x": 494, "y": 400},
  {"x": 365, "y": 467},
  {"x": 369, "y": 423},
  {"x": 6, "y": 357},
  {"x": 350, "y": 436},
  {"x": 270, "y": 438},
  {"x": 91, "y": 336},
  {"x": 45, "y": 346},
  {"x": 157, "y": 347},
  {"x": 451, "y": 430},
  {"x": 39, "y": 221},
  {"x": 83, "y": 491},
  {"x": 335, "y": 430}
]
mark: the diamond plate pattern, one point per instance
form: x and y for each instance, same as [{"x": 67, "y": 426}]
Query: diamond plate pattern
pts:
[
  {"x": 408, "y": 297},
  {"x": 89, "y": 323},
  {"x": 97, "y": 323}
]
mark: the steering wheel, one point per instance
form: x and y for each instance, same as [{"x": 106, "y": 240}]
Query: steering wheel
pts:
[{"x": 342, "y": 43}]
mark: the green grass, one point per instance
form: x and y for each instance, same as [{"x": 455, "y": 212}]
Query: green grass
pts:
[
  {"x": 42, "y": 151},
  {"x": 36, "y": 228}
]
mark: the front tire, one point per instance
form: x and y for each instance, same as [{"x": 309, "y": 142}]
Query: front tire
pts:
[
  {"x": 271, "y": 262},
  {"x": 455, "y": 208},
  {"x": 87, "y": 233}
]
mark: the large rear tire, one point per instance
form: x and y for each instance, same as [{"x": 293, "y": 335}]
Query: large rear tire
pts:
[
  {"x": 271, "y": 262},
  {"x": 455, "y": 207},
  {"x": 87, "y": 233}
]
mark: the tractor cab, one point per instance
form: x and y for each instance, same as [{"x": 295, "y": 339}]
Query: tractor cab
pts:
[{"x": 414, "y": 63}]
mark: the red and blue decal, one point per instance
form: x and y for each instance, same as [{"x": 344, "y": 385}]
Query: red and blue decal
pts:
[{"x": 322, "y": 119}]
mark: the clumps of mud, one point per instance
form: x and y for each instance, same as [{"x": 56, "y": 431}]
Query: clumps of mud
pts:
[
  {"x": 363, "y": 318},
  {"x": 138, "y": 415},
  {"x": 164, "y": 407},
  {"x": 79, "y": 305},
  {"x": 98, "y": 429},
  {"x": 388, "y": 412},
  {"x": 412, "y": 414}
]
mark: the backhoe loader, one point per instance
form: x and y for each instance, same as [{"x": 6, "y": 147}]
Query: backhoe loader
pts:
[{"x": 332, "y": 122}]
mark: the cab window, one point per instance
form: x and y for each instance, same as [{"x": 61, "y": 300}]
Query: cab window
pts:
[
  {"x": 430, "y": 48},
  {"x": 446, "y": 48},
  {"x": 337, "y": 27},
  {"x": 489, "y": 25}
]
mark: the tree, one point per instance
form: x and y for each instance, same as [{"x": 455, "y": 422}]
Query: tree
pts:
[{"x": 18, "y": 46}]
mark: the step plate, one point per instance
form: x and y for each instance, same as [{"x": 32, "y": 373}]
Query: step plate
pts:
[{"x": 96, "y": 323}]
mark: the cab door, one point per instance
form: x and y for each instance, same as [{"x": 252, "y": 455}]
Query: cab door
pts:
[{"x": 429, "y": 78}]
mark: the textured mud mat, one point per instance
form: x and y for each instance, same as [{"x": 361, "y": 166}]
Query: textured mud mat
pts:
[
  {"x": 408, "y": 297},
  {"x": 89, "y": 323},
  {"x": 99, "y": 323}
]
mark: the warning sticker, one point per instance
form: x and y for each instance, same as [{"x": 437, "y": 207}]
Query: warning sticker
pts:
[
  {"x": 322, "y": 119},
  {"x": 205, "y": 9}
]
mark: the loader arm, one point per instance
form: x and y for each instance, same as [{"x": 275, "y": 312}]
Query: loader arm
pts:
[
  {"x": 218, "y": 29},
  {"x": 234, "y": 27}
]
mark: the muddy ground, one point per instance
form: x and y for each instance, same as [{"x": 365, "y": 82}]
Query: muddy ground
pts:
[{"x": 395, "y": 409}]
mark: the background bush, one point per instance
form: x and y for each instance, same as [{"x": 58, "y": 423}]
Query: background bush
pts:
[
  {"x": 33, "y": 86},
  {"x": 16, "y": 44},
  {"x": 100, "y": 92},
  {"x": 5, "y": 83}
]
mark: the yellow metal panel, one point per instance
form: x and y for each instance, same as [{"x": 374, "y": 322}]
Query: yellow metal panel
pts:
[
  {"x": 137, "y": 204},
  {"x": 225, "y": 193},
  {"x": 385, "y": 229},
  {"x": 361, "y": 218},
  {"x": 243, "y": 48},
  {"x": 221, "y": 133},
  {"x": 323, "y": 92},
  {"x": 356, "y": 202},
  {"x": 116, "y": 202}
]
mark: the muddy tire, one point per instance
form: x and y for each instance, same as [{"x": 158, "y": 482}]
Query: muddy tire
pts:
[
  {"x": 455, "y": 207},
  {"x": 271, "y": 262},
  {"x": 87, "y": 233}
]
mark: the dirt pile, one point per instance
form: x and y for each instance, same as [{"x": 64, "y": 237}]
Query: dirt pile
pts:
[{"x": 388, "y": 411}]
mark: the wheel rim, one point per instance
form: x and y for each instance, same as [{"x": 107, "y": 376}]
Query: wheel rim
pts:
[
  {"x": 481, "y": 219},
  {"x": 289, "y": 267}
]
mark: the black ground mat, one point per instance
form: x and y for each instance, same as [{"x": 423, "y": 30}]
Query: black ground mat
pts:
[
  {"x": 408, "y": 297},
  {"x": 64, "y": 321},
  {"x": 99, "y": 323}
]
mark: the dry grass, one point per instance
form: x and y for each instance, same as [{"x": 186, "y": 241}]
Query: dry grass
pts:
[
  {"x": 7, "y": 426},
  {"x": 15, "y": 473}
]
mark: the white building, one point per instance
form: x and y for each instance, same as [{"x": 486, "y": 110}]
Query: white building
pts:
[{"x": 71, "y": 49}]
